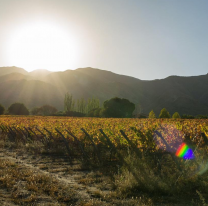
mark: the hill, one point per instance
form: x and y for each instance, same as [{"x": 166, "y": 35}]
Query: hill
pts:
[
  {"x": 187, "y": 95},
  {"x": 9, "y": 70}
]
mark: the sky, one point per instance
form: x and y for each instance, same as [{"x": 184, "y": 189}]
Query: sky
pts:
[{"x": 146, "y": 39}]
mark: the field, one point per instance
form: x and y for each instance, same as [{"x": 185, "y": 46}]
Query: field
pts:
[{"x": 98, "y": 161}]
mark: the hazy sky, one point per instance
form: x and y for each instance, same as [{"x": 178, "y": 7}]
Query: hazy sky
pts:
[{"x": 147, "y": 39}]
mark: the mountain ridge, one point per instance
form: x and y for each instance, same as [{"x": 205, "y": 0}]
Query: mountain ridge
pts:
[{"x": 186, "y": 95}]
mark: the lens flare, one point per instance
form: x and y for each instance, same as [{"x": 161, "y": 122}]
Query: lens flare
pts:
[{"x": 184, "y": 152}]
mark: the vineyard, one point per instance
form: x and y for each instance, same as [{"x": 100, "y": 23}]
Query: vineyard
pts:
[{"x": 137, "y": 155}]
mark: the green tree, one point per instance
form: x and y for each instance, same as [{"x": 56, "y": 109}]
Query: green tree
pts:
[
  {"x": 82, "y": 105},
  {"x": 176, "y": 115},
  {"x": 92, "y": 103},
  {"x": 89, "y": 105},
  {"x": 2, "y": 109},
  {"x": 97, "y": 112},
  {"x": 68, "y": 102},
  {"x": 152, "y": 115},
  {"x": 117, "y": 107},
  {"x": 73, "y": 108},
  {"x": 18, "y": 109},
  {"x": 102, "y": 112},
  {"x": 164, "y": 113}
]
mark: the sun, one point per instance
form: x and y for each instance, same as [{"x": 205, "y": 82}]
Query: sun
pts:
[{"x": 42, "y": 45}]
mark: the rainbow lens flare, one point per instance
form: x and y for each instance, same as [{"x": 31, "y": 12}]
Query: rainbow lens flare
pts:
[{"x": 185, "y": 152}]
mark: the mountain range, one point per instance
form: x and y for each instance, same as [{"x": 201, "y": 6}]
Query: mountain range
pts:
[{"x": 186, "y": 95}]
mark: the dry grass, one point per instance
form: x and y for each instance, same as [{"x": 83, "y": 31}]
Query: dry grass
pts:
[{"x": 27, "y": 186}]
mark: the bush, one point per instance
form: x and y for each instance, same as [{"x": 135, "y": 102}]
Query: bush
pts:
[
  {"x": 164, "y": 113},
  {"x": 2, "y": 109},
  {"x": 18, "y": 109},
  {"x": 176, "y": 115}
]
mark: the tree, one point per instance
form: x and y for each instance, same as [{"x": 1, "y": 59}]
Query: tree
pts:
[
  {"x": 18, "y": 109},
  {"x": 186, "y": 116},
  {"x": 68, "y": 102},
  {"x": 164, "y": 113},
  {"x": 201, "y": 116},
  {"x": 152, "y": 115},
  {"x": 176, "y": 115},
  {"x": 97, "y": 112},
  {"x": 94, "y": 112},
  {"x": 47, "y": 110},
  {"x": 92, "y": 104},
  {"x": 82, "y": 105},
  {"x": 117, "y": 107},
  {"x": 89, "y": 105},
  {"x": 35, "y": 111},
  {"x": 2, "y": 109}
]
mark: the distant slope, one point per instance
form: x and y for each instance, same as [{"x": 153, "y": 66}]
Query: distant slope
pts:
[
  {"x": 39, "y": 74},
  {"x": 187, "y": 95},
  {"x": 9, "y": 70},
  {"x": 32, "y": 93},
  {"x": 14, "y": 76}
]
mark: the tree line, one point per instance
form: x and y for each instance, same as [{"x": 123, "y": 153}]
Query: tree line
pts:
[
  {"x": 114, "y": 107},
  {"x": 165, "y": 114}
]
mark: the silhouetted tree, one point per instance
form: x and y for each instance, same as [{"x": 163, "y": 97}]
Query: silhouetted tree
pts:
[
  {"x": 35, "y": 111},
  {"x": 47, "y": 110},
  {"x": 201, "y": 116},
  {"x": 18, "y": 109},
  {"x": 117, "y": 107},
  {"x": 176, "y": 115},
  {"x": 2, "y": 109},
  {"x": 152, "y": 115},
  {"x": 186, "y": 116},
  {"x": 164, "y": 113}
]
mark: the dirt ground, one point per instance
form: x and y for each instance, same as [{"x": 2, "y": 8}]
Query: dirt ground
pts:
[{"x": 86, "y": 183}]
